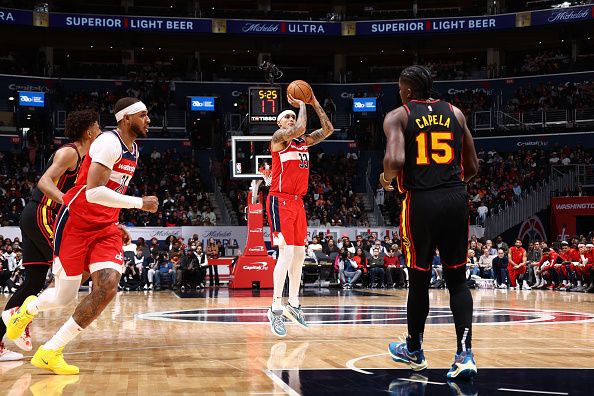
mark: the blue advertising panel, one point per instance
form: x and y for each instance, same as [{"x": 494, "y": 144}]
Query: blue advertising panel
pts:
[
  {"x": 114, "y": 22},
  {"x": 436, "y": 25},
  {"x": 364, "y": 105},
  {"x": 545, "y": 142},
  {"x": 560, "y": 15},
  {"x": 202, "y": 103},
  {"x": 31, "y": 99},
  {"x": 297, "y": 28},
  {"x": 9, "y": 16}
]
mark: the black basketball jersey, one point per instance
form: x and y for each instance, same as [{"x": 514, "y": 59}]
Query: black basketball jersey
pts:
[
  {"x": 65, "y": 182},
  {"x": 433, "y": 147}
]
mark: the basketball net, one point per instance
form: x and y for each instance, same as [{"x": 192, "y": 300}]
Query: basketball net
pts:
[{"x": 266, "y": 173}]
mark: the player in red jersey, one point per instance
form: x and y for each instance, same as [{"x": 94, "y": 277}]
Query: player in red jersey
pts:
[
  {"x": 38, "y": 216},
  {"x": 589, "y": 268},
  {"x": 517, "y": 265},
  {"x": 286, "y": 213},
  {"x": 87, "y": 236}
]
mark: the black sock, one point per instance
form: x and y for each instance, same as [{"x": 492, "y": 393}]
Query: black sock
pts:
[
  {"x": 417, "y": 307},
  {"x": 32, "y": 284},
  {"x": 461, "y": 305}
]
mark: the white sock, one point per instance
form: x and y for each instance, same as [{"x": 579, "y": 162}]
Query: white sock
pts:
[
  {"x": 67, "y": 333},
  {"x": 285, "y": 256},
  {"x": 295, "y": 270},
  {"x": 579, "y": 283}
]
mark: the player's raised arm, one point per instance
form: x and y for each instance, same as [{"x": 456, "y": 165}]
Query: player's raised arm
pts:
[
  {"x": 327, "y": 128},
  {"x": 394, "y": 125},
  {"x": 290, "y": 132}
]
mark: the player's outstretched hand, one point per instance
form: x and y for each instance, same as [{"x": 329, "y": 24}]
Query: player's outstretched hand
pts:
[
  {"x": 386, "y": 184},
  {"x": 294, "y": 102},
  {"x": 150, "y": 204}
]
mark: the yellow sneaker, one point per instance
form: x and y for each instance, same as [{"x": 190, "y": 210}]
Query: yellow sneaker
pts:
[
  {"x": 52, "y": 385},
  {"x": 20, "y": 320},
  {"x": 53, "y": 360}
]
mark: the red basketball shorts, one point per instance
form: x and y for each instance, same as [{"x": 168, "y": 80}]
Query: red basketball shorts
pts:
[
  {"x": 286, "y": 215},
  {"x": 79, "y": 248}
]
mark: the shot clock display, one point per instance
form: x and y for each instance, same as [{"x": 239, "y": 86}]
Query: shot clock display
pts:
[{"x": 265, "y": 104}]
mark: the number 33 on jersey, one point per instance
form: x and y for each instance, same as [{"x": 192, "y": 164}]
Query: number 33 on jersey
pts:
[{"x": 290, "y": 169}]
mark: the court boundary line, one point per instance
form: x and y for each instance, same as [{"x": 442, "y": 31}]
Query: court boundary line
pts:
[{"x": 280, "y": 383}]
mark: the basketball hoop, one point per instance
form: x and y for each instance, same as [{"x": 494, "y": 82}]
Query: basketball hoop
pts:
[{"x": 267, "y": 176}]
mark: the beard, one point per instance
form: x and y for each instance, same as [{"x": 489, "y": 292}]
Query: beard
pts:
[{"x": 138, "y": 131}]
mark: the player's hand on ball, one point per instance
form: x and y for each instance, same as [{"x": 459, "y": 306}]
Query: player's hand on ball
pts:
[
  {"x": 150, "y": 204},
  {"x": 386, "y": 184},
  {"x": 313, "y": 100},
  {"x": 294, "y": 102}
]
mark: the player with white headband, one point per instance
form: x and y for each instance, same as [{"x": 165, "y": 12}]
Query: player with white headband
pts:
[
  {"x": 286, "y": 213},
  {"x": 87, "y": 236}
]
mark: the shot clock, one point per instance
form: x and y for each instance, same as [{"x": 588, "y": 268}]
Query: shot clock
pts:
[{"x": 265, "y": 104}]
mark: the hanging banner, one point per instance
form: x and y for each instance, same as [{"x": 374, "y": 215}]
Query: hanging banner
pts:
[{"x": 291, "y": 28}]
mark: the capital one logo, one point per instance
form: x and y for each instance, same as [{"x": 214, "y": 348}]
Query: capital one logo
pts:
[
  {"x": 256, "y": 249},
  {"x": 257, "y": 266},
  {"x": 256, "y": 230}
]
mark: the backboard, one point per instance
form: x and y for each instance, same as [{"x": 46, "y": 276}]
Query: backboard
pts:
[{"x": 248, "y": 155}]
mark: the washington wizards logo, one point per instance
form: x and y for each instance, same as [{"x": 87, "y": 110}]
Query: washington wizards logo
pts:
[{"x": 533, "y": 228}]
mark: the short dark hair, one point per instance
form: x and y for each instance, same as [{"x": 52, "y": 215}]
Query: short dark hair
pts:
[
  {"x": 546, "y": 250},
  {"x": 123, "y": 103},
  {"x": 420, "y": 80},
  {"x": 78, "y": 122}
]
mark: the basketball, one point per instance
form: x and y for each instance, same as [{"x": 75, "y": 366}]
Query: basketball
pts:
[{"x": 301, "y": 90}]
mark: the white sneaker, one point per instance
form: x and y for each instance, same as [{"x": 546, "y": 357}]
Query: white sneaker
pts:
[
  {"x": 24, "y": 340},
  {"x": 525, "y": 286},
  {"x": 502, "y": 286},
  {"x": 7, "y": 355},
  {"x": 512, "y": 288}
]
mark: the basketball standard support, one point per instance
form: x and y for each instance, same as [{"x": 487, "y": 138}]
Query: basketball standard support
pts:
[{"x": 254, "y": 268}]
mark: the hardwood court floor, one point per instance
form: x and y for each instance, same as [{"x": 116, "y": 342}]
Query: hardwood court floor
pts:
[{"x": 218, "y": 348}]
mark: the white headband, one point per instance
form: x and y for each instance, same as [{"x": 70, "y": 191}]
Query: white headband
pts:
[
  {"x": 284, "y": 113},
  {"x": 132, "y": 109}
]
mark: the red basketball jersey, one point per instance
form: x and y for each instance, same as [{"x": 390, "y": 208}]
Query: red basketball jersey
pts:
[
  {"x": 109, "y": 150},
  {"x": 290, "y": 169}
]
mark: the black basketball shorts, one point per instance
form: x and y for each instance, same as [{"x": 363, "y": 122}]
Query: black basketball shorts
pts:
[
  {"x": 37, "y": 224},
  {"x": 435, "y": 219}
]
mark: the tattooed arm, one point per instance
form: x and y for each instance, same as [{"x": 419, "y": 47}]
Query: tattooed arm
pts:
[
  {"x": 326, "y": 130},
  {"x": 287, "y": 134}
]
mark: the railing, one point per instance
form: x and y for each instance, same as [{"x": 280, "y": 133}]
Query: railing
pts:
[
  {"x": 583, "y": 116},
  {"x": 173, "y": 120},
  {"x": 220, "y": 201},
  {"x": 533, "y": 202},
  {"x": 379, "y": 217},
  {"x": 584, "y": 174},
  {"x": 489, "y": 120},
  {"x": 482, "y": 120}
]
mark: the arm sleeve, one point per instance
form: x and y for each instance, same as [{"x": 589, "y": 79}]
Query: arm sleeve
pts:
[
  {"x": 106, "y": 150},
  {"x": 104, "y": 196}
]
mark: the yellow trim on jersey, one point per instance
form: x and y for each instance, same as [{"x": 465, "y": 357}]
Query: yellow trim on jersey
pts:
[
  {"x": 46, "y": 222},
  {"x": 404, "y": 233}
]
